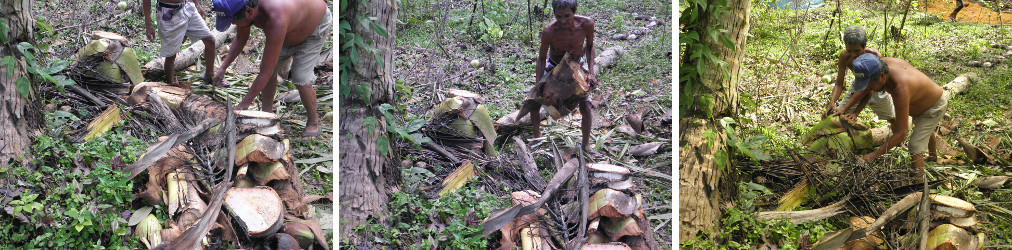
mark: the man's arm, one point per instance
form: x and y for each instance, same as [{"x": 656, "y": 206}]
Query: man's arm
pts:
[
  {"x": 199, "y": 9},
  {"x": 873, "y": 51},
  {"x": 841, "y": 69},
  {"x": 149, "y": 31},
  {"x": 591, "y": 77},
  {"x": 241, "y": 37},
  {"x": 539, "y": 66},
  {"x": 274, "y": 31},
  {"x": 857, "y": 97},
  {"x": 900, "y": 125}
]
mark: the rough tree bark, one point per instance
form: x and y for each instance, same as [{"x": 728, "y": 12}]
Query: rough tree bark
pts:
[
  {"x": 362, "y": 184},
  {"x": 699, "y": 186},
  {"x": 18, "y": 115}
]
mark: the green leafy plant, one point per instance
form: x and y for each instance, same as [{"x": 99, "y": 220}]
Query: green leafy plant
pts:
[
  {"x": 693, "y": 37},
  {"x": 27, "y": 204},
  {"x": 449, "y": 222},
  {"x": 750, "y": 147},
  {"x": 351, "y": 43},
  {"x": 739, "y": 229}
]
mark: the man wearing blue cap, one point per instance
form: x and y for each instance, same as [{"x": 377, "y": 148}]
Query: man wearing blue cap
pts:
[
  {"x": 914, "y": 94},
  {"x": 293, "y": 28},
  {"x": 178, "y": 19}
]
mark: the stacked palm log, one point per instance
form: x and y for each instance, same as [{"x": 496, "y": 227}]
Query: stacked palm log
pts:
[
  {"x": 953, "y": 223},
  {"x": 616, "y": 216},
  {"x": 266, "y": 191},
  {"x": 616, "y": 219}
]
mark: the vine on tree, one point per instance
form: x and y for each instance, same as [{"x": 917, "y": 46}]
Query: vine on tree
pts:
[{"x": 693, "y": 39}]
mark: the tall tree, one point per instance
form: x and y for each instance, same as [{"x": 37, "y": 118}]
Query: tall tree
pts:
[
  {"x": 710, "y": 91},
  {"x": 19, "y": 110},
  {"x": 362, "y": 183}
]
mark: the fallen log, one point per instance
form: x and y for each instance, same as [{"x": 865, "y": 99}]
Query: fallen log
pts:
[
  {"x": 607, "y": 58},
  {"x": 798, "y": 217},
  {"x": 188, "y": 56}
]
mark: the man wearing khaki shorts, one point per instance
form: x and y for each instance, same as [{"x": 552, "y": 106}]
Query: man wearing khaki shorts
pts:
[
  {"x": 293, "y": 28},
  {"x": 914, "y": 94},
  {"x": 178, "y": 19}
]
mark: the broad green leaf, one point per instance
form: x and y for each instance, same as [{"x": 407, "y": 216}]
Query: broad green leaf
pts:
[
  {"x": 57, "y": 66},
  {"x": 720, "y": 159},
  {"x": 383, "y": 145},
  {"x": 370, "y": 122},
  {"x": 9, "y": 61},
  {"x": 353, "y": 55},
  {"x": 379, "y": 30},
  {"x": 727, "y": 41},
  {"x": 414, "y": 125},
  {"x": 24, "y": 87}
]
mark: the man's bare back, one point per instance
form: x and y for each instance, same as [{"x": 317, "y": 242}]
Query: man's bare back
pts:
[
  {"x": 905, "y": 80},
  {"x": 298, "y": 18}
]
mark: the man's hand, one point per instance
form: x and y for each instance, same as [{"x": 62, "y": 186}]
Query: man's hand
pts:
[
  {"x": 149, "y": 31},
  {"x": 868, "y": 158},
  {"x": 592, "y": 81},
  {"x": 829, "y": 111}
]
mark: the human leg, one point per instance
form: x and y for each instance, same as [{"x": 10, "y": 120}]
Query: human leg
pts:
[
  {"x": 170, "y": 70},
  {"x": 210, "y": 55},
  {"x": 585, "y": 126},
  {"x": 308, "y": 95}
]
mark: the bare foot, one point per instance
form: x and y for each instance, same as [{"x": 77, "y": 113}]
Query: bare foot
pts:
[
  {"x": 592, "y": 153},
  {"x": 312, "y": 131}
]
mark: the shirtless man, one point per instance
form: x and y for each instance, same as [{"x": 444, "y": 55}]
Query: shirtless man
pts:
[
  {"x": 293, "y": 28},
  {"x": 855, "y": 39},
  {"x": 914, "y": 95},
  {"x": 178, "y": 19},
  {"x": 567, "y": 33}
]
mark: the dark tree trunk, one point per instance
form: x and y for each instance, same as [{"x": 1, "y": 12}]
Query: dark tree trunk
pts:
[
  {"x": 363, "y": 175},
  {"x": 701, "y": 182},
  {"x": 18, "y": 115}
]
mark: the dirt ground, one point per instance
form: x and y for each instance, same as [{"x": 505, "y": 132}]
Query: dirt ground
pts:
[{"x": 972, "y": 12}]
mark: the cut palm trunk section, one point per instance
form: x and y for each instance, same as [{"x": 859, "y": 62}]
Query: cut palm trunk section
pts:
[
  {"x": 606, "y": 246},
  {"x": 258, "y": 148},
  {"x": 468, "y": 115},
  {"x": 618, "y": 227},
  {"x": 301, "y": 232},
  {"x": 103, "y": 123},
  {"x": 149, "y": 230},
  {"x": 560, "y": 91},
  {"x": 610, "y": 176},
  {"x": 611, "y": 203},
  {"x": 952, "y": 207},
  {"x": 266, "y": 172},
  {"x": 948, "y": 236},
  {"x": 172, "y": 96},
  {"x": 258, "y": 208},
  {"x": 458, "y": 178},
  {"x": 108, "y": 56}
]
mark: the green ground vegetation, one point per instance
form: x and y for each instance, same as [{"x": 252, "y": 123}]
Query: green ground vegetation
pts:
[{"x": 786, "y": 55}]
